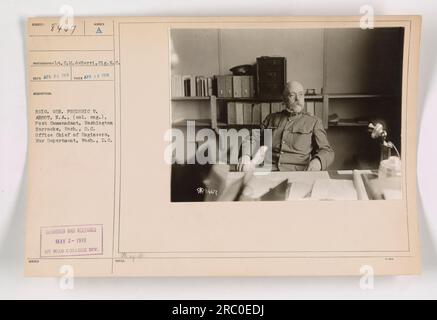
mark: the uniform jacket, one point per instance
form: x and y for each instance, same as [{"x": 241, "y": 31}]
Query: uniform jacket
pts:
[{"x": 296, "y": 140}]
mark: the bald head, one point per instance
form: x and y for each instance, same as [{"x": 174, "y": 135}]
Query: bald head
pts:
[
  {"x": 294, "y": 86},
  {"x": 294, "y": 96}
]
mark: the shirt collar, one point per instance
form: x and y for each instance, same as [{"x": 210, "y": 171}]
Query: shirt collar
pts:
[{"x": 292, "y": 113}]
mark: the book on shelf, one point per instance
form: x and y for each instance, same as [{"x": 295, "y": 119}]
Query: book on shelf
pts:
[
  {"x": 187, "y": 86},
  {"x": 210, "y": 86},
  {"x": 256, "y": 113},
  {"x": 191, "y": 86},
  {"x": 276, "y": 107},
  {"x": 204, "y": 86},
  {"x": 252, "y": 86},
  {"x": 236, "y": 83},
  {"x": 229, "y": 86},
  {"x": 224, "y": 85},
  {"x": 265, "y": 110},
  {"x": 310, "y": 107},
  {"x": 232, "y": 113},
  {"x": 199, "y": 86},
  {"x": 318, "y": 110},
  {"x": 219, "y": 84},
  {"x": 247, "y": 86},
  {"x": 239, "y": 113},
  {"x": 247, "y": 113}
]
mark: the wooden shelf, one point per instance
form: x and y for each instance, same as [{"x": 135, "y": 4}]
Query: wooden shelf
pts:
[
  {"x": 257, "y": 99},
  {"x": 347, "y": 123},
  {"x": 190, "y": 98},
  {"x": 248, "y": 99},
  {"x": 311, "y": 97},
  {"x": 354, "y": 95},
  {"x": 213, "y": 104},
  {"x": 238, "y": 126},
  {"x": 314, "y": 97},
  {"x": 205, "y": 123}
]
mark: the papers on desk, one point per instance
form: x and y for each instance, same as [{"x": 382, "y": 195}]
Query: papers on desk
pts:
[
  {"x": 330, "y": 189},
  {"x": 306, "y": 185},
  {"x": 300, "y": 190},
  {"x": 262, "y": 182},
  {"x": 334, "y": 190},
  {"x": 392, "y": 194},
  {"x": 323, "y": 189}
]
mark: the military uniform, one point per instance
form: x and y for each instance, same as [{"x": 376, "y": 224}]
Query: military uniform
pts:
[{"x": 297, "y": 138}]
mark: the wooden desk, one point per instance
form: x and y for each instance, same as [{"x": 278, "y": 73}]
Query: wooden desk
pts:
[
  {"x": 302, "y": 183},
  {"x": 262, "y": 182}
]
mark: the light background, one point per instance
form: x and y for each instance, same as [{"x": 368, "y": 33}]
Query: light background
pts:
[{"x": 13, "y": 144}]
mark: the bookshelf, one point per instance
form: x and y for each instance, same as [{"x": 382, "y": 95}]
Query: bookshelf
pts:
[
  {"x": 355, "y": 96},
  {"x": 199, "y": 122},
  {"x": 190, "y": 98},
  {"x": 348, "y": 123},
  {"x": 210, "y": 122},
  {"x": 351, "y": 96},
  {"x": 256, "y": 99},
  {"x": 216, "y": 103}
]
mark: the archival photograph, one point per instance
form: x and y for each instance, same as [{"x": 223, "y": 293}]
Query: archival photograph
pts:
[{"x": 286, "y": 114}]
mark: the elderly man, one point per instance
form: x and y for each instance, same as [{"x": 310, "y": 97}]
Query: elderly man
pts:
[{"x": 299, "y": 141}]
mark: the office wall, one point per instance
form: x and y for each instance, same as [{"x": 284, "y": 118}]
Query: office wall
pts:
[
  {"x": 302, "y": 48},
  {"x": 363, "y": 61},
  {"x": 196, "y": 52},
  {"x": 210, "y": 51}
]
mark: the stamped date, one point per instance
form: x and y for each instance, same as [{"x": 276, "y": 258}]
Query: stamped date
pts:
[{"x": 62, "y": 241}]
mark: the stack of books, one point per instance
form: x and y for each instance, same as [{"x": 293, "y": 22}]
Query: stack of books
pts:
[
  {"x": 240, "y": 113},
  {"x": 251, "y": 113},
  {"x": 314, "y": 108},
  {"x": 229, "y": 86},
  {"x": 191, "y": 86}
]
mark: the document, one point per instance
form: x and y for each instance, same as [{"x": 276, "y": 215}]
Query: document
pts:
[
  {"x": 334, "y": 190},
  {"x": 126, "y": 177}
]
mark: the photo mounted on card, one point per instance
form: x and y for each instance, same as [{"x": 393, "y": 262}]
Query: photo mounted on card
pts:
[
  {"x": 311, "y": 113},
  {"x": 222, "y": 146}
]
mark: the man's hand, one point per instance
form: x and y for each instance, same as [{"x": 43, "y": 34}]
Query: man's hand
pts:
[
  {"x": 315, "y": 165},
  {"x": 245, "y": 164}
]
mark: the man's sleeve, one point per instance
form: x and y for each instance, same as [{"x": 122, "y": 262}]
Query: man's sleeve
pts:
[
  {"x": 323, "y": 150},
  {"x": 252, "y": 142}
]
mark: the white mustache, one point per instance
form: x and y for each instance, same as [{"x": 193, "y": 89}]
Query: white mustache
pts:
[{"x": 295, "y": 104}]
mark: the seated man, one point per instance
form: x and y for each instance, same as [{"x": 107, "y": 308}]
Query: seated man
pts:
[{"x": 299, "y": 141}]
